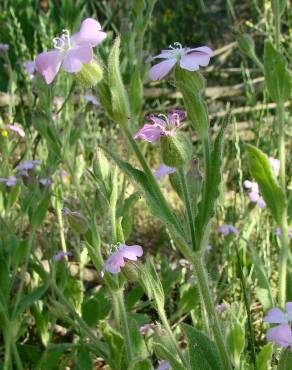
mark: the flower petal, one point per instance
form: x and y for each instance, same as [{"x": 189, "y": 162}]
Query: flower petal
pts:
[
  {"x": 289, "y": 310},
  {"x": 163, "y": 170},
  {"x": 175, "y": 116},
  {"x": 149, "y": 133},
  {"x": 161, "y": 69},
  {"x": 131, "y": 252},
  {"x": 281, "y": 334},
  {"x": 76, "y": 57},
  {"x": 203, "y": 49},
  {"x": 114, "y": 263},
  {"x": 90, "y": 32},
  {"x": 254, "y": 196},
  {"x": 194, "y": 60},
  {"x": 276, "y": 316},
  {"x": 48, "y": 64}
]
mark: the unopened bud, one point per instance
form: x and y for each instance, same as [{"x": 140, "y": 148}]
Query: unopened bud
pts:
[
  {"x": 76, "y": 221},
  {"x": 245, "y": 44},
  {"x": 90, "y": 74},
  {"x": 176, "y": 150},
  {"x": 131, "y": 270}
]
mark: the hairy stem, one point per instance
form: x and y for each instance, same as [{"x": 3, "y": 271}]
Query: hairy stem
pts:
[{"x": 210, "y": 309}]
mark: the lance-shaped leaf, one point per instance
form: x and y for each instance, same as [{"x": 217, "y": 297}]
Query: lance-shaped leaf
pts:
[
  {"x": 211, "y": 184},
  {"x": 157, "y": 208},
  {"x": 261, "y": 171},
  {"x": 203, "y": 353},
  {"x": 277, "y": 77}
]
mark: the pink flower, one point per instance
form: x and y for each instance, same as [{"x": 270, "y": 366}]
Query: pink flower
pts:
[
  {"x": 60, "y": 255},
  {"x": 15, "y": 128},
  {"x": 30, "y": 68},
  {"x": 163, "y": 170},
  {"x": 278, "y": 232},
  {"x": 227, "y": 229},
  {"x": 160, "y": 126},
  {"x": 10, "y": 181},
  {"x": 28, "y": 165},
  {"x": 188, "y": 58},
  {"x": 70, "y": 51},
  {"x": 254, "y": 194},
  {"x": 221, "y": 307},
  {"x": 280, "y": 334},
  {"x": 91, "y": 99},
  {"x": 164, "y": 365},
  {"x": 117, "y": 260}
]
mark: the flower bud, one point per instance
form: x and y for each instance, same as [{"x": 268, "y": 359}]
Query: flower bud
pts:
[
  {"x": 131, "y": 270},
  {"x": 76, "y": 221},
  {"x": 90, "y": 74},
  {"x": 245, "y": 44},
  {"x": 176, "y": 150}
]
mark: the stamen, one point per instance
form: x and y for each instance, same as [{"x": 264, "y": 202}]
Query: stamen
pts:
[
  {"x": 164, "y": 117},
  {"x": 175, "y": 45},
  {"x": 63, "y": 42}
]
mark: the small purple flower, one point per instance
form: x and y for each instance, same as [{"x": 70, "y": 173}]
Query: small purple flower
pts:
[
  {"x": 163, "y": 170},
  {"x": 30, "y": 68},
  {"x": 91, "y": 99},
  {"x": 282, "y": 333},
  {"x": 254, "y": 194},
  {"x": 227, "y": 229},
  {"x": 60, "y": 255},
  {"x": 221, "y": 307},
  {"x": 146, "y": 329},
  {"x": 28, "y": 165},
  {"x": 45, "y": 182},
  {"x": 188, "y": 58},
  {"x": 10, "y": 181},
  {"x": 131, "y": 252},
  {"x": 160, "y": 126},
  {"x": 164, "y": 365},
  {"x": 278, "y": 232},
  {"x": 70, "y": 51},
  {"x": 15, "y": 128},
  {"x": 4, "y": 47},
  {"x": 275, "y": 165}
]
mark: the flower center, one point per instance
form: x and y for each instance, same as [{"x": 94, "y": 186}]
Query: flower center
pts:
[
  {"x": 177, "y": 49},
  {"x": 63, "y": 42}
]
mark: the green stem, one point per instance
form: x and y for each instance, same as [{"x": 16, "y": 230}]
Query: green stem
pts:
[
  {"x": 155, "y": 187},
  {"x": 19, "y": 365},
  {"x": 281, "y": 144},
  {"x": 247, "y": 307},
  {"x": 174, "y": 343},
  {"x": 210, "y": 308},
  {"x": 24, "y": 269},
  {"x": 284, "y": 253},
  {"x": 188, "y": 205},
  {"x": 124, "y": 325}
]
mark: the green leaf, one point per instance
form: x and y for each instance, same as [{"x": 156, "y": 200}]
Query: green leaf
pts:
[
  {"x": 203, "y": 353},
  {"x": 151, "y": 283},
  {"x": 261, "y": 171},
  {"x": 235, "y": 341},
  {"x": 83, "y": 360},
  {"x": 120, "y": 104},
  {"x": 96, "y": 308},
  {"x": 211, "y": 184},
  {"x": 285, "y": 360},
  {"x": 140, "y": 364},
  {"x": 153, "y": 202},
  {"x": 32, "y": 297},
  {"x": 264, "y": 358},
  {"x": 138, "y": 345},
  {"x": 164, "y": 354},
  {"x": 40, "y": 211},
  {"x": 115, "y": 343},
  {"x": 277, "y": 77}
]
